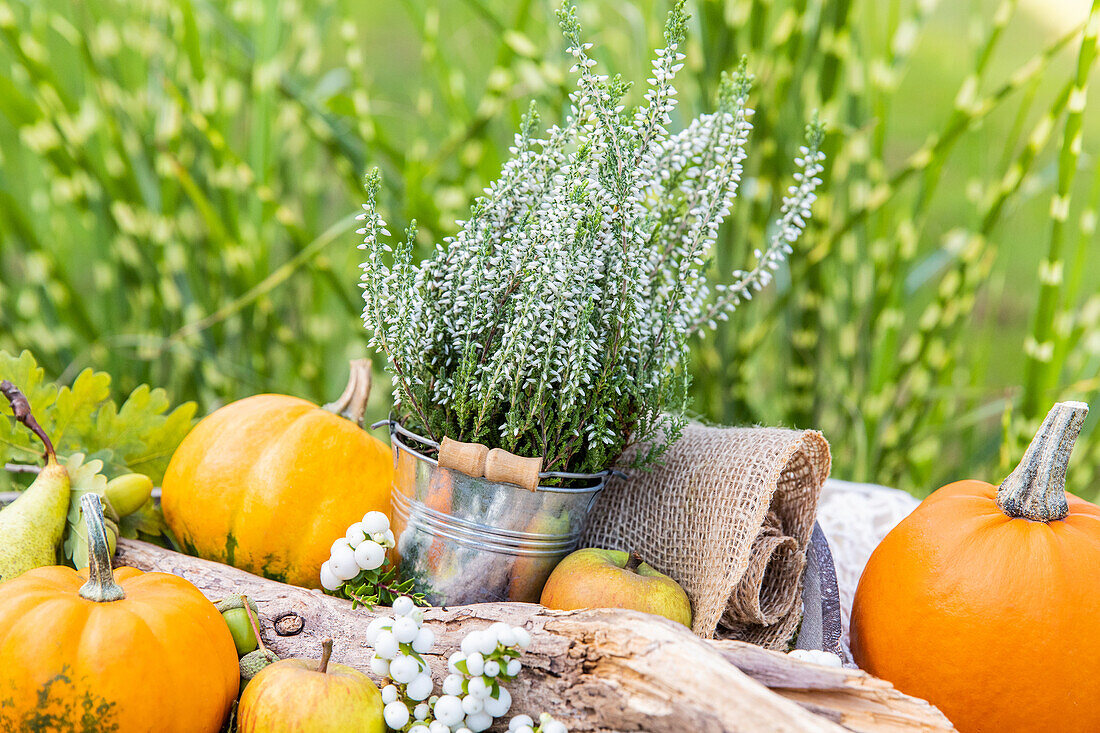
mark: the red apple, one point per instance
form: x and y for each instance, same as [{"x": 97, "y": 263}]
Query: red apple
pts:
[{"x": 594, "y": 578}]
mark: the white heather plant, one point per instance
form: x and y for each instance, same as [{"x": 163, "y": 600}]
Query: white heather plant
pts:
[{"x": 556, "y": 322}]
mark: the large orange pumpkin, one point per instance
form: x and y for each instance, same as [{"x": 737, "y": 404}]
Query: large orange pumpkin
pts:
[
  {"x": 269, "y": 482},
  {"x": 80, "y": 651},
  {"x": 986, "y": 600}
]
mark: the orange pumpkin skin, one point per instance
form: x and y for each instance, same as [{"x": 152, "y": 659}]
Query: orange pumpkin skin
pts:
[
  {"x": 267, "y": 484},
  {"x": 990, "y": 618},
  {"x": 161, "y": 659}
]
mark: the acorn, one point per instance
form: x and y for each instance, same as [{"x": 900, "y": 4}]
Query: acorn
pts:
[
  {"x": 253, "y": 662},
  {"x": 232, "y": 609}
]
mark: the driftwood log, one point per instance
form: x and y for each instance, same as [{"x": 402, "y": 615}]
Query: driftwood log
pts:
[{"x": 596, "y": 670}]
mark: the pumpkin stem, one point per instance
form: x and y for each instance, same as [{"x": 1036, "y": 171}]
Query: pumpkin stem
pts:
[
  {"x": 326, "y": 652},
  {"x": 21, "y": 408},
  {"x": 352, "y": 404},
  {"x": 633, "y": 561},
  {"x": 1036, "y": 490},
  {"x": 101, "y": 586}
]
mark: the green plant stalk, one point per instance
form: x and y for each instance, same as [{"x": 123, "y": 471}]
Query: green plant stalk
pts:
[{"x": 1041, "y": 371}]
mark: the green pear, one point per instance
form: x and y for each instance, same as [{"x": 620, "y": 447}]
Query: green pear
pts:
[{"x": 31, "y": 526}]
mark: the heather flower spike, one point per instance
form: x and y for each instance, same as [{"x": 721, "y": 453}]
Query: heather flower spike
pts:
[{"x": 555, "y": 322}]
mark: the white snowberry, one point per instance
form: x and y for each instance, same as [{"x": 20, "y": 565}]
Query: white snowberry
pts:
[
  {"x": 479, "y": 721},
  {"x": 487, "y": 642},
  {"x": 338, "y": 543},
  {"x": 479, "y": 688},
  {"x": 523, "y": 639},
  {"x": 520, "y": 720},
  {"x": 448, "y": 710},
  {"x": 422, "y": 711},
  {"x": 514, "y": 667},
  {"x": 420, "y": 728},
  {"x": 499, "y": 706},
  {"x": 475, "y": 664},
  {"x": 404, "y": 669},
  {"x": 380, "y": 666},
  {"x": 375, "y": 522},
  {"x": 355, "y": 535},
  {"x": 369, "y": 555},
  {"x": 507, "y": 636},
  {"x": 404, "y": 629},
  {"x": 420, "y": 688},
  {"x": 343, "y": 562},
  {"x": 471, "y": 704},
  {"x": 385, "y": 645},
  {"x": 329, "y": 581},
  {"x": 402, "y": 605},
  {"x": 464, "y": 729},
  {"x": 452, "y": 684},
  {"x": 423, "y": 642},
  {"x": 553, "y": 726},
  {"x": 376, "y": 626},
  {"x": 471, "y": 642},
  {"x": 389, "y": 694},
  {"x": 396, "y": 714},
  {"x": 453, "y": 660},
  {"x": 438, "y": 727},
  {"x": 492, "y": 669}
]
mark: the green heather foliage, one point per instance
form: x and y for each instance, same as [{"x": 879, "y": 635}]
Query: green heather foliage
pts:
[{"x": 179, "y": 179}]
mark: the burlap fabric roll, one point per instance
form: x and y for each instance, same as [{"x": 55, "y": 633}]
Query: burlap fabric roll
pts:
[{"x": 729, "y": 516}]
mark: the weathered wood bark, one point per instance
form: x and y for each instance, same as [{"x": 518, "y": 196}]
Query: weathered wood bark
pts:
[
  {"x": 850, "y": 697},
  {"x": 596, "y": 670}
]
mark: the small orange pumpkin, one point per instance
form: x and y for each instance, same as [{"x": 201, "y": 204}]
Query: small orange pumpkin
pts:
[
  {"x": 268, "y": 482},
  {"x": 985, "y": 600},
  {"x": 80, "y": 651}
]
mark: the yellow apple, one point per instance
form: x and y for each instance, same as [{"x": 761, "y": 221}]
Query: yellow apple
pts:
[
  {"x": 307, "y": 696},
  {"x": 594, "y": 578}
]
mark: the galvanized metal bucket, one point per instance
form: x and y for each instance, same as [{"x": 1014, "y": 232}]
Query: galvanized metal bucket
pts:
[{"x": 470, "y": 540}]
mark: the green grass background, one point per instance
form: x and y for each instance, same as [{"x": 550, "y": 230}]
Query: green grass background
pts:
[{"x": 178, "y": 177}]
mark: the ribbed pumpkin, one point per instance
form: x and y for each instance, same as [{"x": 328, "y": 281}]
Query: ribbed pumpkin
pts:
[
  {"x": 267, "y": 483},
  {"x": 986, "y": 601},
  {"x": 80, "y": 651}
]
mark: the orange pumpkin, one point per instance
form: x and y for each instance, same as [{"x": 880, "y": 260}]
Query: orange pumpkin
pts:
[
  {"x": 985, "y": 600},
  {"x": 82, "y": 652},
  {"x": 267, "y": 483}
]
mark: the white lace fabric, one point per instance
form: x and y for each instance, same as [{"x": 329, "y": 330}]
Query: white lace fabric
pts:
[{"x": 855, "y": 518}]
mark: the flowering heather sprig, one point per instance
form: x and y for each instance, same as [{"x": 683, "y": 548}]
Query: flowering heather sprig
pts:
[{"x": 556, "y": 321}]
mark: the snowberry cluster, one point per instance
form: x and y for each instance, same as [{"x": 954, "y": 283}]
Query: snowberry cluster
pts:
[
  {"x": 473, "y": 695},
  {"x": 362, "y": 548},
  {"x": 473, "y": 691},
  {"x": 546, "y": 724},
  {"x": 357, "y": 568}
]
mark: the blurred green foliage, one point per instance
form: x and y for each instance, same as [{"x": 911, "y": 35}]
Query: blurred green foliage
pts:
[{"x": 178, "y": 181}]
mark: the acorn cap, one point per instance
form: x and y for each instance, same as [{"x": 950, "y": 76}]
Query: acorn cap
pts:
[
  {"x": 235, "y": 601},
  {"x": 254, "y": 661}
]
